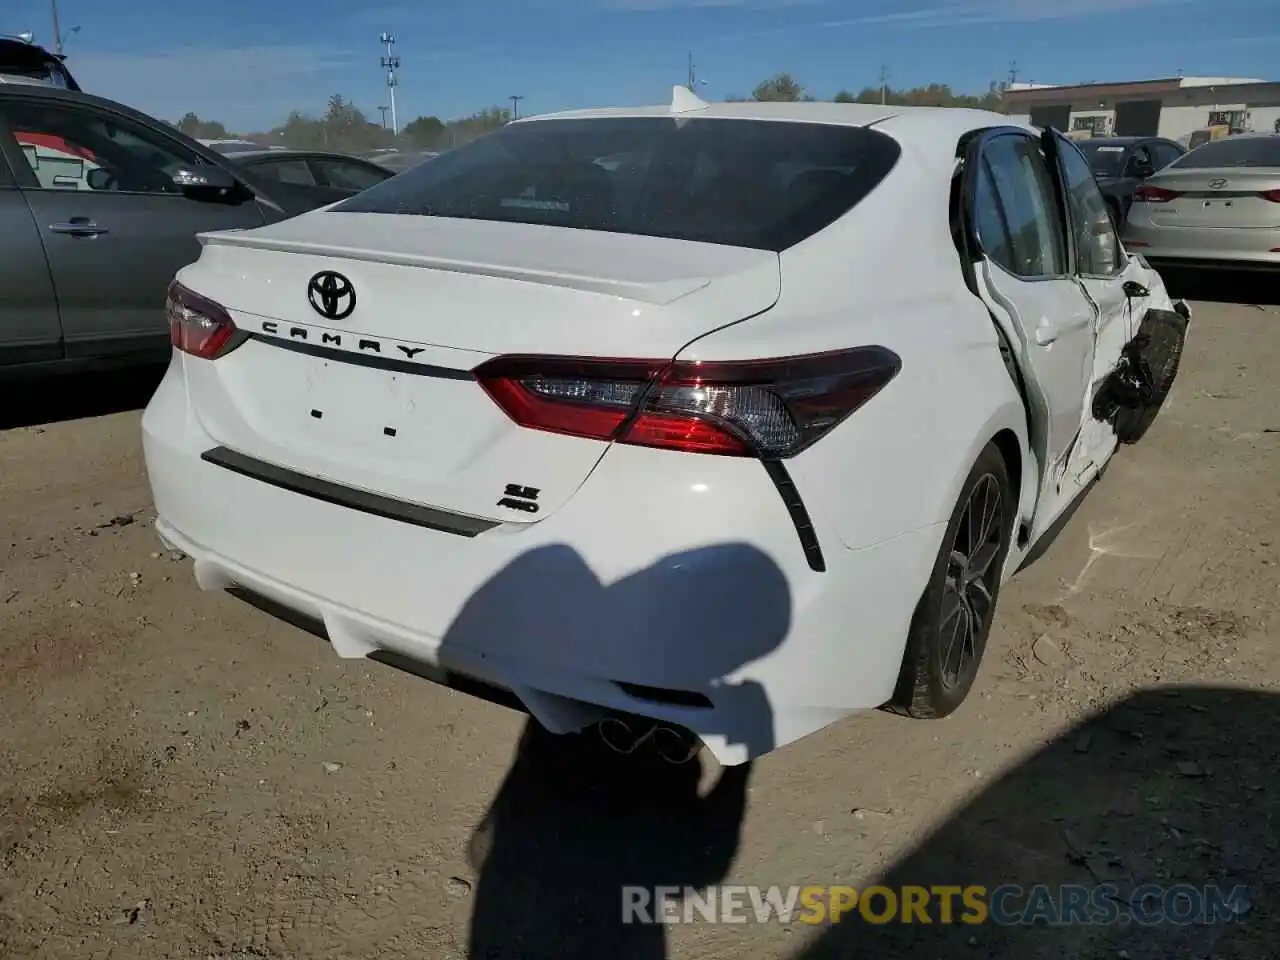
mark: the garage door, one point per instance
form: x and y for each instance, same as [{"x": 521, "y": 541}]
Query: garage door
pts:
[
  {"x": 1138, "y": 118},
  {"x": 1057, "y": 117}
]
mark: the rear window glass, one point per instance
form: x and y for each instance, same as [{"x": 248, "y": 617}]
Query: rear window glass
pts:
[
  {"x": 744, "y": 183},
  {"x": 1233, "y": 152}
]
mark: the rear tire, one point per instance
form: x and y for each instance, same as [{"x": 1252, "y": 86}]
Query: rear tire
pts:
[
  {"x": 948, "y": 634},
  {"x": 1168, "y": 334}
]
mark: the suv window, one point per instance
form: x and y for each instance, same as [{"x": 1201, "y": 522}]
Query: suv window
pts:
[
  {"x": 1014, "y": 203},
  {"x": 1098, "y": 250},
  {"x": 75, "y": 148},
  {"x": 349, "y": 176},
  {"x": 746, "y": 183}
]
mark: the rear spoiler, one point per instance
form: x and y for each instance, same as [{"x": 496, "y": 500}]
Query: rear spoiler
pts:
[{"x": 657, "y": 294}]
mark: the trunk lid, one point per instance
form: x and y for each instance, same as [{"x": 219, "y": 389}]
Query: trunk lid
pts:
[
  {"x": 382, "y": 400},
  {"x": 1228, "y": 197}
]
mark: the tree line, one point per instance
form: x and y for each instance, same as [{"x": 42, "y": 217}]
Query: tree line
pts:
[
  {"x": 344, "y": 127},
  {"x": 785, "y": 87}
]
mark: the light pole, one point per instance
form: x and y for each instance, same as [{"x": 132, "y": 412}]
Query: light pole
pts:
[
  {"x": 59, "y": 38},
  {"x": 515, "y": 106},
  {"x": 391, "y": 63}
]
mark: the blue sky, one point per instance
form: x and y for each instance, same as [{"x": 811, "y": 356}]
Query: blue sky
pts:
[{"x": 248, "y": 62}]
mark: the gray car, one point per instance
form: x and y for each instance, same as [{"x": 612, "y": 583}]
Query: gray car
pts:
[
  {"x": 1216, "y": 207},
  {"x": 99, "y": 208}
]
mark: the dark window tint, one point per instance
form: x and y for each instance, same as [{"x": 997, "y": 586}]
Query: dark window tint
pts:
[
  {"x": 286, "y": 171},
  {"x": 1233, "y": 152},
  {"x": 746, "y": 183},
  {"x": 1165, "y": 154},
  {"x": 349, "y": 176},
  {"x": 993, "y": 232},
  {"x": 1097, "y": 246},
  {"x": 1025, "y": 193},
  {"x": 1106, "y": 159},
  {"x": 75, "y": 148}
]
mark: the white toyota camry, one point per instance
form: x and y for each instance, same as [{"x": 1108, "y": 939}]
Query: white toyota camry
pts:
[{"x": 704, "y": 424}]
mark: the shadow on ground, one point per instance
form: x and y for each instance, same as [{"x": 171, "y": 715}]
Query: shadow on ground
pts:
[
  {"x": 1246, "y": 287},
  {"x": 574, "y": 822},
  {"x": 35, "y": 402},
  {"x": 1171, "y": 787}
]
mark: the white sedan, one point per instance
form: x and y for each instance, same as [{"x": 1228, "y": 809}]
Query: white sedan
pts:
[{"x": 700, "y": 424}]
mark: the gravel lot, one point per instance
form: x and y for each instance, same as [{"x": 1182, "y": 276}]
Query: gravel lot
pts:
[{"x": 183, "y": 777}]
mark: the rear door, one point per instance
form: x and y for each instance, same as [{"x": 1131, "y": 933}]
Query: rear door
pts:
[
  {"x": 29, "y": 329},
  {"x": 115, "y": 227},
  {"x": 1026, "y": 278}
]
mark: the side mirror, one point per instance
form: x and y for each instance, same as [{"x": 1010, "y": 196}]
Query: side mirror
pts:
[
  {"x": 204, "y": 178},
  {"x": 99, "y": 178}
]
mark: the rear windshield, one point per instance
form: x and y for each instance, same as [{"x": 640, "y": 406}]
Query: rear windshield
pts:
[
  {"x": 1106, "y": 159},
  {"x": 743, "y": 183},
  {"x": 1233, "y": 152}
]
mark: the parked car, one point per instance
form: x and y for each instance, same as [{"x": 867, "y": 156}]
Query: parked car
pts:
[
  {"x": 25, "y": 62},
  {"x": 400, "y": 162},
  {"x": 230, "y": 146},
  {"x": 339, "y": 172},
  {"x": 1216, "y": 207},
  {"x": 106, "y": 209},
  {"x": 1121, "y": 164},
  {"x": 862, "y": 383}
]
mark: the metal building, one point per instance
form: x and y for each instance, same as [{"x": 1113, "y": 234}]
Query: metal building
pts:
[{"x": 1179, "y": 108}]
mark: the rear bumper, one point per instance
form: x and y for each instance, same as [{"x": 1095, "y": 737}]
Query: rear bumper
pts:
[
  {"x": 641, "y": 595},
  {"x": 1204, "y": 248}
]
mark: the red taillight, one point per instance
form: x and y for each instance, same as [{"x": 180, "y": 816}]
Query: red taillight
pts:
[
  {"x": 197, "y": 325},
  {"x": 1149, "y": 194},
  {"x": 1272, "y": 195},
  {"x": 757, "y": 408}
]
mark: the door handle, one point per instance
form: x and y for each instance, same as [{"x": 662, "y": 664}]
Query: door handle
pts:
[{"x": 78, "y": 227}]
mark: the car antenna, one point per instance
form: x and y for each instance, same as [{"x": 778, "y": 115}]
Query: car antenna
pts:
[{"x": 684, "y": 100}]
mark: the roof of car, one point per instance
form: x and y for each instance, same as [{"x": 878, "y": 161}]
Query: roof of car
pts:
[
  {"x": 1116, "y": 141},
  {"x": 844, "y": 114},
  {"x": 276, "y": 152}
]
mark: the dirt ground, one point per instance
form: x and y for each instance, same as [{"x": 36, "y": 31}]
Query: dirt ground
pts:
[{"x": 182, "y": 777}]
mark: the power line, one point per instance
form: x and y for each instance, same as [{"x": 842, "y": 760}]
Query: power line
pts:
[{"x": 391, "y": 63}]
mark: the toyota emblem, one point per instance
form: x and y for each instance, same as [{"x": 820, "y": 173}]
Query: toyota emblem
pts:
[
  {"x": 1217, "y": 184},
  {"x": 331, "y": 295}
]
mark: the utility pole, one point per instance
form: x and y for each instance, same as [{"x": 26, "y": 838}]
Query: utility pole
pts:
[
  {"x": 57, "y": 29},
  {"x": 391, "y": 63},
  {"x": 383, "y": 111},
  {"x": 884, "y": 85},
  {"x": 1013, "y": 73},
  {"x": 515, "y": 105},
  {"x": 693, "y": 74}
]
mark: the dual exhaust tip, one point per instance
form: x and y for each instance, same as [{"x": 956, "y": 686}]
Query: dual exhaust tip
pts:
[{"x": 627, "y": 735}]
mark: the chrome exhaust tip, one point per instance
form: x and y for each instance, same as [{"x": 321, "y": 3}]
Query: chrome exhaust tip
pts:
[{"x": 625, "y": 735}]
